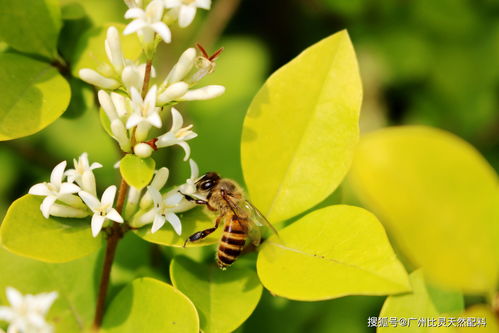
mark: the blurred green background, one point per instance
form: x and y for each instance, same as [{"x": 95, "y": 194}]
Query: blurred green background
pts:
[{"x": 433, "y": 62}]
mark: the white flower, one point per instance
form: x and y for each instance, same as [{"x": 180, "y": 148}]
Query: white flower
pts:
[
  {"x": 145, "y": 110},
  {"x": 159, "y": 180},
  {"x": 187, "y": 9},
  {"x": 26, "y": 314},
  {"x": 54, "y": 190},
  {"x": 203, "y": 93},
  {"x": 182, "y": 67},
  {"x": 102, "y": 209},
  {"x": 90, "y": 76},
  {"x": 163, "y": 211},
  {"x": 173, "y": 92},
  {"x": 147, "y": 22},
  {"x": 177, "y": 135},
  {"x": 190, "y": 184},
  {"x": 82, "y": 173}
]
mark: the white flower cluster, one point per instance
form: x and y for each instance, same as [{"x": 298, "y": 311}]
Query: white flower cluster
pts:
[
  {"x": 133, "y": 109},
  {"x": 26, "y": 314}
]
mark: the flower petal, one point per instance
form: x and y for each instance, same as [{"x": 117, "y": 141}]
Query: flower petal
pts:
[
  {"x": 183, "y": 66},
  {"x": 95, "y": 165},
  {"x": 114, "y": 215},
  {"x": 155, "y": 120},
  {"x": 133, "y": 13},
  {"x": 46, "y": 204},
  {"x": 205, "y": 4},
  {"x": 94, "y": 78},
  {"x": 203, "y": 93},
  {"x": 186, "y": 15},
  {"x": 173, "y": 198},
  {"x": 58, "y": 173},
  {"x": 6, "y": 314},
  {"x": 159, "y": 221},
  {"x": 160, "y": 178},
  {"x": 172, "y": 3},
  {"x": 194, "y": 169},
  {"x": 67, "y": 188},
  {"x": 163, "y": 31},
  {"x": 92, "y": 202},
  {"x": 107, "y": 105},
  {"x": 177, "y": 120},
  {"x": 155, "y": 195},
  {"x": 39, "y": 189},
  {"x": 134, "y": 26},
  {"x": 14, "y": 297},
  {"x": 108, "y": 195},
  {"x": 45, "y": 300},
  {"x": 148, "y": 216},
  {"x": 186, "y": 148},
  {"x": 133, "y": 121},
  {"x": 97, "y": 222},
  {"x": 175, "y": 222}
]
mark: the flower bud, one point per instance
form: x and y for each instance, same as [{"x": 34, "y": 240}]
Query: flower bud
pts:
[
  {"x": 66, "y": 211},
  {"x": 173, "y": 92},
  {"x": 107, "y": 105},
  {"x": 120, "y": 134},
  {"x": 142, "y": 150},
  {"x": 94, "y": 78},
  {"x": 183, "y": 66},
  {"x": 207, "y": 92},
  {"x": 142, "y": 131},
  {"x": 119, "y": 103},
  {"x": 113, "y": 49},
  {"x": 88, "y": 182},
  {"x": 72, "y": 200}
]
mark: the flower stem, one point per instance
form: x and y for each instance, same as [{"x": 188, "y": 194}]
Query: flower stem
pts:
[
  {"x": 147, "y": 77},
  {"x": 115, "y": 234}
]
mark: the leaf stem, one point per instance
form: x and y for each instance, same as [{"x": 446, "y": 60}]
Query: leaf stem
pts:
[{"x": 115, "y": 233}]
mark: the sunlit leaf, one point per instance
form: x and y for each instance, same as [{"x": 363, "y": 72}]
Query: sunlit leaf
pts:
[
  {"x": 74, "y": 282},
  {"x": 224, "y": 299},
  {"x": 137, "y": 171},
  {"x": 90, "y": 51},
  {"x": 31, "y": 26},
  {"x": 332, "y": 252},
  {"x": 438, "y": 197},
  {"x": 479, "y": 312},
  {"x": 195, "y": 220},
  {"x": 24, "y": 231},
  {"x": 32, "y": 96},
  {"x": 148, "y": 305},
  {"x": 301, "y": 129}
]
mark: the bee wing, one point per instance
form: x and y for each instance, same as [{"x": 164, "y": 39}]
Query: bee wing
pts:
[
  {"x": 254, "y": 233},
  {"x": 257, "y": 217}
]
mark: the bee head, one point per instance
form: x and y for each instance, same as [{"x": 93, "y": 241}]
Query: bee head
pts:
[{"x": 207, "y": 182}]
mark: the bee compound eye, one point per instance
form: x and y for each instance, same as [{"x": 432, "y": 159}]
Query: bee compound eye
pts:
[{"x": 207, "y": 185}]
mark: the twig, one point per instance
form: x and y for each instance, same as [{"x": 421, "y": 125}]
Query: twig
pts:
[{"x": 115, "y": 234}]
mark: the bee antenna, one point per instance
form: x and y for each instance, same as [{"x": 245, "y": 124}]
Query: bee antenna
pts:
[
  {"x": 203, "y": 51},
  {"x": 216, "y": 54}
]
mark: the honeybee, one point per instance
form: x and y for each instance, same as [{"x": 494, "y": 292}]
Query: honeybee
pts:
[{"x": 241, "y": 220}]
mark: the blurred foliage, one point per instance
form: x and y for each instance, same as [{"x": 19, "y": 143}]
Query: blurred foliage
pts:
[{"x": 422, "y": 62}]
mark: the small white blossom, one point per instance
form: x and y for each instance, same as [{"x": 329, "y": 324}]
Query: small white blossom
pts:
[
  {"x": 56, "y": 189},
  {"x": 172, "y": 93},
  {"x": 133, "y": 75},
  {"x": 203, "y": 93},
  {"x": 163, "y": 211},
  {"x": 120, "y": 133},
  {"x": 186, "y": 9},
  {"x": 182, "y": 67},
  {"x": 102, "y": 209},
  {"x": 112, "y": 45},
  {"x": 26, "y": 314},
  {"x": 190, "y": 184},
  {"x": 144, "y": 110},
  {"x": 159, "y": 180},
  {"x": 177, "y": 135},
  {"x": 147, "y": 22},
  {"x": 82, "y": 173},
  {"x": 133, "y": 3}
]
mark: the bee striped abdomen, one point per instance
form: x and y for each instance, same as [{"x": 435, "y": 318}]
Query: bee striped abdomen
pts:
[{"x": 232, "y": 243}]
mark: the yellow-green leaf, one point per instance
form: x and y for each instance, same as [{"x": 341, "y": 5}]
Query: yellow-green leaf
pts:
[
  {"x": 224, "y": 299},
  {"x": 31, "y": 26},
  {"x": 32, "y": 96},
  {"x": 194, "y": 220},
  {"x": 438, "y": 197},
  {"x": 24, "y": 231},
  {"x": 148, "y": 305},
  {"x": 332, "y": 252},
  {"x": 137, "y": 171},
  {"x": 301, "y": 129},
  {"x": 417, "y": 304}
]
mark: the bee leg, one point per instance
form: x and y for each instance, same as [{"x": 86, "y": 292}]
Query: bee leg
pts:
[{"x": 203, "y": 233}]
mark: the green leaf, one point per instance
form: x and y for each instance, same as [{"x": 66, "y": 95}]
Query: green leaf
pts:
[
  {"x": 423, "y": 302},
  {"x": 438, "y": 198},
  {"x": 32, "y": 96},
  {"x": 74, "y": 308},
  {"x": 224, "y": 299},
  {"x": 137, "y": 171},
  {"x": 331, "y": 252},
  {"x": 148, "y": 305},
  {"x": 301, "y": 129},
  {"x": 193, "y": 221},
  {"x": 90, "y": 51},
  {"x": 31, "y": 26},
  {"x": 24, "y": 231}
]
